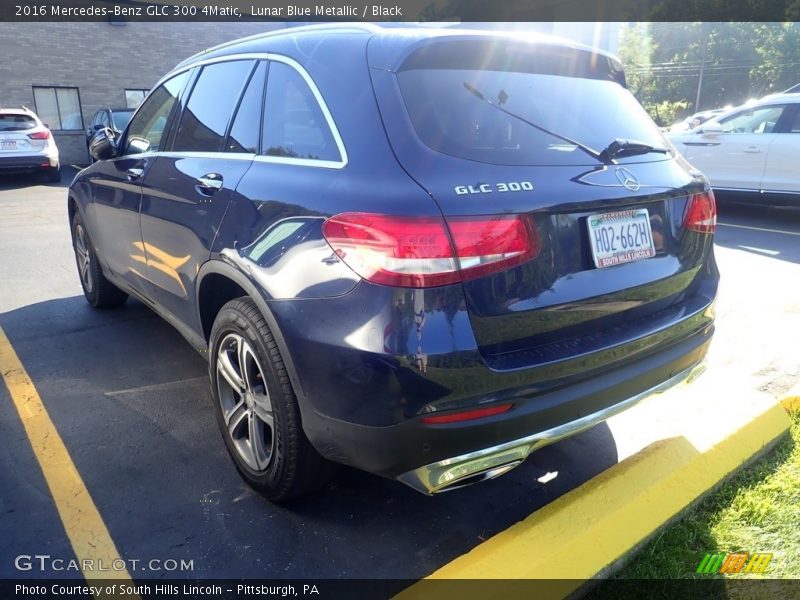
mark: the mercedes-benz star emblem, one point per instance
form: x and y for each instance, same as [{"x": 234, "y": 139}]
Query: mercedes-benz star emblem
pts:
[{"x": 628, "y": 179}]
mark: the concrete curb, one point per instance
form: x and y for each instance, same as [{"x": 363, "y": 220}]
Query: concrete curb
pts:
[{"x": 583, "y": 533}]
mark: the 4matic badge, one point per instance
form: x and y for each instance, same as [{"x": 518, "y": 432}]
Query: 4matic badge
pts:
[{"x": 488, "y": 188}]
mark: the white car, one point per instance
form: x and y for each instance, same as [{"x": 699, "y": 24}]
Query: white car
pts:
[
  {"x": 754, "y": 148},
  {"x": 26, "y": 145}
]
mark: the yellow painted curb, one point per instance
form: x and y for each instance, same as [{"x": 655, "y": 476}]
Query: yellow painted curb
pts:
[
  {"x": 585, "y": 531},
  {"x": 791, "y": 401}
]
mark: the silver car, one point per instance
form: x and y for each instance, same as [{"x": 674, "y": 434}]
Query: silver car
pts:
[{"x": 26, "y": 144}]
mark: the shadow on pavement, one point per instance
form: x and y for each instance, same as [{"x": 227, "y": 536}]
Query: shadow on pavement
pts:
[
  {"x": 17, "y": 181},
  {"x": 130, "y": 399}
]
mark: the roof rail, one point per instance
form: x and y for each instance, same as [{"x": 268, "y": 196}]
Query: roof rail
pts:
[{"x": 286, "y": 30}]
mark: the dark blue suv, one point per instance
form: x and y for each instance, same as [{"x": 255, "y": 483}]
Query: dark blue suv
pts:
[{"x": 420, "y": 253}]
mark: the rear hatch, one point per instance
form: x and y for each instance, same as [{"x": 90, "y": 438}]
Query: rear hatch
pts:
[
  {"x": 15, "y": 138},
  {"x": 502, "y": 126}
]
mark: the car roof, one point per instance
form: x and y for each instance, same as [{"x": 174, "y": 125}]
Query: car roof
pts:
[
  {"x": 399, "y": 36},
  {"x": 17, "y": 110}
]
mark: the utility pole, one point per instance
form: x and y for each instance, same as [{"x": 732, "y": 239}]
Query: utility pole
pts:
[
  {"x": 700, "y": 82},
  {"x": 704, "y": 37}
]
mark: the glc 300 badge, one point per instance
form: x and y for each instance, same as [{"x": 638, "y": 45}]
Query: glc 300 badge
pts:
[{"x": 488, "y": 188}]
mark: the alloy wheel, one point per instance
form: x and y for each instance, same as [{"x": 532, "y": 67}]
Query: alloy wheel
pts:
[{"x": 245, "y": 402}]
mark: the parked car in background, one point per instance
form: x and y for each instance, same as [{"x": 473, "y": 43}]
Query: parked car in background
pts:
[
  {"x": 754, "y": 148},
  {"x": 426, "y": 280},
  {"x": 114, "y": 118},
  {"x": 26, "y": 144}
]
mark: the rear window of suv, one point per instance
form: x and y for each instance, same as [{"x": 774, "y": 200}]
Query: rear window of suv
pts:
[
  {"x": 16, "y": 122},
  {"x": 458, "y": 97}
]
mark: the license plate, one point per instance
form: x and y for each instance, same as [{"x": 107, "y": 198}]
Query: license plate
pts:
[
  {"x": 8, "y": 145},
  {"x": 620, "y": 237}
]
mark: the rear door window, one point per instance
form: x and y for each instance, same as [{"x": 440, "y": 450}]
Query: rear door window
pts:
[
  {"x": 205, "y": 119},
  {"x": 295, "y": 126},
  {"x": 245, "y": 131}
]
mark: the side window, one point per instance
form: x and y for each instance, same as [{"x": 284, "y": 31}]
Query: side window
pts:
[
  {"x": 247, "y": 123},
  {"x": 294, "y": 125},
  {"x": 757, "y": 120},
  {"x": 103, "y": 119},
  {"x": 211, "y": 104},
  {"x": 148, "y": 124},
  {"x": 794, "y": 126}
]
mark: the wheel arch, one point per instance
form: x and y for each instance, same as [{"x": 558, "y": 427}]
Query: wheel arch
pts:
[{"x": 219, "y": 282}]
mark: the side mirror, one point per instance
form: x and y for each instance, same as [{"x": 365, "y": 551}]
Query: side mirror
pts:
[
  {"x": 103, "y": 145},
  {"x": 711, "y": 128}
]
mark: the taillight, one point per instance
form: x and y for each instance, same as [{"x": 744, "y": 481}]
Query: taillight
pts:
[
  {"x": 467, "y": 415},
  {"x": 40, "y": 135},
  {"x": 701, "y": 213},
  {"x": 425, "y": 252}
]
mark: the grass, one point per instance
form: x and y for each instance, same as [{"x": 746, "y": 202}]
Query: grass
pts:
[{"x": 757, "y": 510}]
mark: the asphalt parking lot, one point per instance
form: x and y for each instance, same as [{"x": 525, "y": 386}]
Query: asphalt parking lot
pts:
[{"x": 129, "y": 398}]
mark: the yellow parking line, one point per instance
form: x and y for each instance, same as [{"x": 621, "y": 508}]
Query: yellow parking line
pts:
[{"x": 85, "y": 528}]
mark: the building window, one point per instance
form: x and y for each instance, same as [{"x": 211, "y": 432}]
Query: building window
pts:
[
  {"x": 133, "y": 98},
  {"x": 59, "y": 107}
]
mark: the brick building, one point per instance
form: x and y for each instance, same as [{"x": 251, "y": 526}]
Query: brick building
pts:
[{"x": 66, "y": 71}]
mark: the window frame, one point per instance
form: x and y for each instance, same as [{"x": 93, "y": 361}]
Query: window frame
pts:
[
  {"x": 268, "y": 56},
  {"x": 58, "y": 105}
]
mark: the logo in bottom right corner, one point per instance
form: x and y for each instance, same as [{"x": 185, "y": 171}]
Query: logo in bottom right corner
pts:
[{"x": 732, "y": 563}]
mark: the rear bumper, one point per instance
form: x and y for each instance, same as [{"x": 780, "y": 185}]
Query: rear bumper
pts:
[
  {"x": 28, "y": 163},
  {"x": 487, "y": 463}
]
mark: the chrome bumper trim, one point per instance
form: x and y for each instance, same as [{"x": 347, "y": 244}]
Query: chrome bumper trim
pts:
[{"x": 480, "y": 465}]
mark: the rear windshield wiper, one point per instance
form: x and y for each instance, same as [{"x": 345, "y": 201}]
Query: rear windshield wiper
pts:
[
  {"x": 599, "y": 156},
  {"x": 620, "y": 147}
]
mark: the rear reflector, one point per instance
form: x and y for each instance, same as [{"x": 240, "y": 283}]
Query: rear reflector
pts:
[
  {"x": 467, "y": 415},
  {"x": 701, "y": 213},
  {"x": 425, "y": 252},
  {"x": 40, "y": 135}
]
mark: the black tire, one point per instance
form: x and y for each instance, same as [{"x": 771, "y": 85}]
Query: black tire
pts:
[
  {"x": 99, "y": 291},
  {"x": 53, "y": 175},
  {"x": 282, "y": 464}
]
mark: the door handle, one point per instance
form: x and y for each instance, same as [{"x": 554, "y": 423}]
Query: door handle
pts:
[
  {"x": 209, "y": 184},
  {"x": 134, "y": 173},
  {"x": 752, "y": 149}
]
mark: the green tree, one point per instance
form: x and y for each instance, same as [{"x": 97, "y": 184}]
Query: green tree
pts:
[{"x": 738, "y": 61}]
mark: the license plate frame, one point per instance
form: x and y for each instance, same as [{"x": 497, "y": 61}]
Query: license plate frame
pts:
[{"x": 620, "y": 237}]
